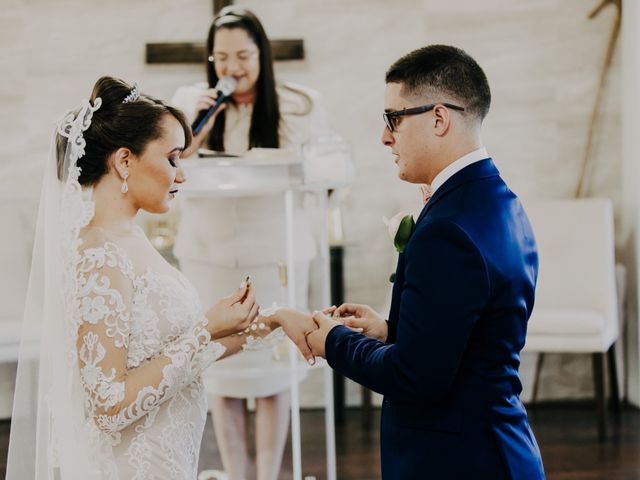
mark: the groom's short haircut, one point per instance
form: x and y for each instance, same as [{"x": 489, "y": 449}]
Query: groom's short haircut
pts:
[{"x": 442, "y": 73}]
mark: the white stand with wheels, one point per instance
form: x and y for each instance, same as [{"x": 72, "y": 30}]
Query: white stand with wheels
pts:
[{"x": 276, "y": 173}]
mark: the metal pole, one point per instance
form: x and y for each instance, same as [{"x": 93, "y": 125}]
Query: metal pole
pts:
[
  {"x": 328, "y": 377},
  {"x": 293, "y": 352}
]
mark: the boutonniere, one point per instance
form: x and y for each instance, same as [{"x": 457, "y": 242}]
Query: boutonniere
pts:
[{"x": 400, "y": 227}]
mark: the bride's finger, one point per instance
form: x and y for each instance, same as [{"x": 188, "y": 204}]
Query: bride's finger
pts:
[
  {"x": 243, "y": 294},
  {"x": 238, "y": 295},
  {"x": 253, "y": 313},
  {"x": 301, "y": 343},
  {"x": 250, "y": 297}
]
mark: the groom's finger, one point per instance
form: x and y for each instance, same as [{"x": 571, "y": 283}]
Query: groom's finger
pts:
[
  {"x": 346, "y": 309},
  {"x": 355, "y": 322}
]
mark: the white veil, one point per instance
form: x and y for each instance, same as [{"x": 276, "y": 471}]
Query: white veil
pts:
[{"x": 51, "y": 439}]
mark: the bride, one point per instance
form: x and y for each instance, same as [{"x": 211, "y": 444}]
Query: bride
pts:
[{"x": 115, "y": 340}]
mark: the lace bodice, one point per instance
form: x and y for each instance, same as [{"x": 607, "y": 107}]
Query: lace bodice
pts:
[{"x": 142, "y": 345}]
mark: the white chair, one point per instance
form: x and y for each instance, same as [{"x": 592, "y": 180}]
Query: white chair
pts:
[{"x": 576, "y": 306}]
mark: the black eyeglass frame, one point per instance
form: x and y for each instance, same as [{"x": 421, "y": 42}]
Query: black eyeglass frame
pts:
[{"x": 388, "y": 116}]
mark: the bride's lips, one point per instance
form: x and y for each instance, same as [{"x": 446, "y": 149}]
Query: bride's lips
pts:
[{"x": 173, "y": 192}]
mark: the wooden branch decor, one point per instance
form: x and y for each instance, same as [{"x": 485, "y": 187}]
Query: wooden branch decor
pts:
[{"x": 587, "y": 163}]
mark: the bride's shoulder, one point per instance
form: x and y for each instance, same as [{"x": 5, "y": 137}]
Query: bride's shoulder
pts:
[{"x": 99, "y": 248}]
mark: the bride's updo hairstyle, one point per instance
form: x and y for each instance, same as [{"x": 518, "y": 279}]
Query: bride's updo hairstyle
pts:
[{"x": 117, "y": 124}]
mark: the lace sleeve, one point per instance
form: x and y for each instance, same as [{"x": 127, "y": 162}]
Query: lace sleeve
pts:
[
  {"x": 259, "y": 336},
  {"x": 117, "y": 395}
]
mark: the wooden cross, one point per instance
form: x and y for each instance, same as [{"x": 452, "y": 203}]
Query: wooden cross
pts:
[{"x": 194, "y": 52}]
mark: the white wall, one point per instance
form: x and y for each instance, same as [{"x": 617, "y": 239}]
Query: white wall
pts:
[{"x": 542, "y": 58}]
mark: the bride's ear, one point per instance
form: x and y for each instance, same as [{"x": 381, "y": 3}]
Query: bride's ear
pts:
[{"x": 121, "y": 159}]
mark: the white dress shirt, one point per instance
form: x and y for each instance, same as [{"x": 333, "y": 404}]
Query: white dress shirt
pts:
[{"x": 453, "y": 168}]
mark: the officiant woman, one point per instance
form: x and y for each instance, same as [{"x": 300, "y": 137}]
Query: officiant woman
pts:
[{"x": 222, "y": 240}]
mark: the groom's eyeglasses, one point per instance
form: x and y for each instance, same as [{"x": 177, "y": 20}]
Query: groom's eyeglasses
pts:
[{"x": 391, "y": 119}]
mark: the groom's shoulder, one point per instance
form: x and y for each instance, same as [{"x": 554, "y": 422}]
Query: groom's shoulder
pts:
[{"x": 444, "y": 230}]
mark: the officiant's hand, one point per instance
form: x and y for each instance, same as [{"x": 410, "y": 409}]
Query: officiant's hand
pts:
[
  {"x": 297, "y": 325},
  {"x": 363, "y": 319},
  {"x": 317, "y": 338},
  {"x": 206, "y": 100},
  {"x": 233, "y": 313}
]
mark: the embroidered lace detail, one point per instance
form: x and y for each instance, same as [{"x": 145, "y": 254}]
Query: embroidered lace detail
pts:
[
  {"x": 142, "y": 345},
  {"x": 262, "y": 343}
]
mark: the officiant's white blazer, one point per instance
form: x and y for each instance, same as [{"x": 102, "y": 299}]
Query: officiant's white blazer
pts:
[{"x": 249, "y": 231}]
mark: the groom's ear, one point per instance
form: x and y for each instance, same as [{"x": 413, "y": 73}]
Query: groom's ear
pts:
[{"x": 441, "y": 120}]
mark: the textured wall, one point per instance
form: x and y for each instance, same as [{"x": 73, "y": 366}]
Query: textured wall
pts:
[{"x": 541, "y": 56}]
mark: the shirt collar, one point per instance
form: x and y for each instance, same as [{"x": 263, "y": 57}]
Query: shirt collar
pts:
[{"x": 453, "y": 168}]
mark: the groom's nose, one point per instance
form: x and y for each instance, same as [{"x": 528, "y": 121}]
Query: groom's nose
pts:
[{"x": 387, "y": 137}]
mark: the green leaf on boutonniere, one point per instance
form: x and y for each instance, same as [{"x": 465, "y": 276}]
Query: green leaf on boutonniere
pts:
[
  {"x": 407, "y": 225},
  {"x": 392, "y": 277}
]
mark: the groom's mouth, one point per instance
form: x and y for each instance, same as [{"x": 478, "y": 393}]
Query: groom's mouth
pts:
[{"x": 173, "y": 193}]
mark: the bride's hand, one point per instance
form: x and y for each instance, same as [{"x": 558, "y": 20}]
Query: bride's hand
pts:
[
  {"x": 297, "y": 325},
  {"x": 233, "y": 313}
]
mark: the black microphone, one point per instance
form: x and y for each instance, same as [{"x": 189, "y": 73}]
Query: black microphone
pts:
[{"x": 224, "y": 87}]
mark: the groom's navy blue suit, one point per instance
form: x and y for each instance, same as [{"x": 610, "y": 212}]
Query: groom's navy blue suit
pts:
[{"x": 463, "y": 293}]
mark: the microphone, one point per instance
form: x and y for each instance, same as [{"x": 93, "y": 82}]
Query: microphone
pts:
[{"x": 224, "y": 87}]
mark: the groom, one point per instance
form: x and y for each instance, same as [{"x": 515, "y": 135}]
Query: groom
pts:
[{"x": 447, "y": 359}]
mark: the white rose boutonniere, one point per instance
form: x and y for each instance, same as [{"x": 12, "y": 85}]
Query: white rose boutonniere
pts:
[{"x": 401, "y": 227}]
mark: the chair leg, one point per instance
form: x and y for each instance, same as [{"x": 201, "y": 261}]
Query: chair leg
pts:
[
  {"x": 367, "y": 411},
  {"x": 597, "y": 360},
  {"x": 536, "y": 377},
  {"x": 613, "y": 379}
]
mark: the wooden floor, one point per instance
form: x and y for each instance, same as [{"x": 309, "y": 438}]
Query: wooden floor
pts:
[{"x": 566, "y": 434}]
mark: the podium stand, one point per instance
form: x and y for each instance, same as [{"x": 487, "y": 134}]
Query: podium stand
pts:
[{"x": 279, "y": 172}]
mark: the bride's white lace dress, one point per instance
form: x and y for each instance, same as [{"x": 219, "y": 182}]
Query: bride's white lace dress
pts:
[{"x": 141, "y": 346}]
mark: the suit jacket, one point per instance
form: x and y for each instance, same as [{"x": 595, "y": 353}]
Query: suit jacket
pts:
[{"x": 463, "y": 293}]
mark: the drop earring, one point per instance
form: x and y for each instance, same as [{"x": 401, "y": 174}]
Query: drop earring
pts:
[{"x": 125, "y": 187}]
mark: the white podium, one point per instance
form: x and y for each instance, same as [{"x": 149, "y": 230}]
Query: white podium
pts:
[{"x": 324, "y": 166}]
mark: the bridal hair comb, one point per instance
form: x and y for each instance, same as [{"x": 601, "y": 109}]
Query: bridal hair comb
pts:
[
  {"x": 133, "y": 95},
  {"x": 74, "y": 124}
]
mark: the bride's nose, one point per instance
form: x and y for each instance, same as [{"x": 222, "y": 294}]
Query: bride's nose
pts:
[{"x": 180, "y": 175}]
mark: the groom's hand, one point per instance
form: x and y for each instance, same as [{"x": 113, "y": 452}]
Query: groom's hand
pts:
[
  {"x": 317, "y": 338},
  {"x": 364, "y": 319}
]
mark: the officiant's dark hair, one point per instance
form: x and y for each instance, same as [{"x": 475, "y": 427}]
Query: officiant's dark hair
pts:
[
  {"x": 265, "y": 118},
  {"x": 117, "y": 124},
  {"x": 446, "y": 71}
]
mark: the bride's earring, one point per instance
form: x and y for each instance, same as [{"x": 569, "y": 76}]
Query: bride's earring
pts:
[{"x": 125, "y": 187}]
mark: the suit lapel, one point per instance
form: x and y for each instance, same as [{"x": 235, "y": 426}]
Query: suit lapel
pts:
[{"x": 480, "y": 169}]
